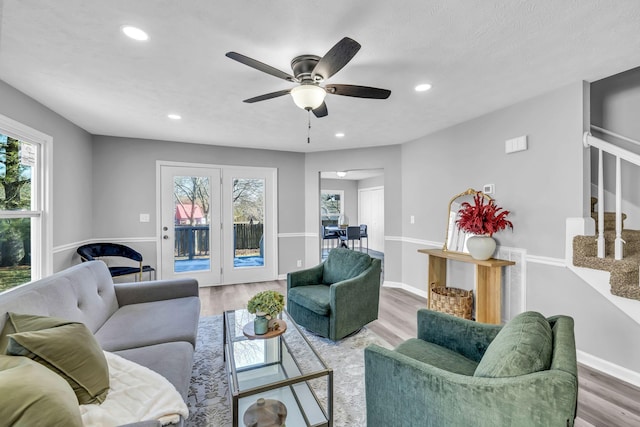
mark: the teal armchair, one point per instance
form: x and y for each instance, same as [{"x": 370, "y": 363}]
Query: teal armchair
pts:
[
  {"x": 336, "y": 297},
  {"x": 461, "y": 373}
]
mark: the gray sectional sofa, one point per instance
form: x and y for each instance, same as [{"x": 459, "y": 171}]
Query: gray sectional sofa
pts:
[{"x": 151, "y": 323}]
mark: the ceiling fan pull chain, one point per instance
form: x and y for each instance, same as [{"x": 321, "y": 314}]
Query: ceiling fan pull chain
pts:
[{"x": 309, "y": 127}]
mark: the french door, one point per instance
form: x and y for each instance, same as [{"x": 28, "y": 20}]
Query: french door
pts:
[
  {"x": 249, "y": 224},
  {"x": 190, "y": 223},
  {"x": 218, "y": 224}
]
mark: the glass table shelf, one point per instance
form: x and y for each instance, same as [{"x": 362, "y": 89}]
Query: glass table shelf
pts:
[{"x": 285, "y": 368}]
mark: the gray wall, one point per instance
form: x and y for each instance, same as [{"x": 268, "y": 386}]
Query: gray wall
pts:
[
  {"x": 541, "y": 187},
  {"x": 125, "y": 185},
  {"x": 376, "y": 181},
  {"x": 72, "y": 207}
]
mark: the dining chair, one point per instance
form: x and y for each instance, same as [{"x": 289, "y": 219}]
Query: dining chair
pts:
[
  {"x": 364, "y": 235},
  {"x": 327, "y": 236},
  {"x": 351, "y": 235}
]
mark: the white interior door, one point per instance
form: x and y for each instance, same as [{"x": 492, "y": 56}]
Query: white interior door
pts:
[
  {"x": 190, "y": 223},
  {"x": 371, "y": 213},
  {"x": 249, "y": 224}
]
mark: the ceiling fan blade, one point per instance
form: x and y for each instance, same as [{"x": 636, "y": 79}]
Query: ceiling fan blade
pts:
[
  {"x": 260, "y": 66},
  {"x": 267, "y": 96},
  {"x": 337, "y": 57},
  {"x": 358, "y": 91},
  {"x": 321, "y": 111}
]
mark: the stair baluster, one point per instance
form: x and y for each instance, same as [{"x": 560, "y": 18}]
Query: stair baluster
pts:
[{"x": 601, "y": 251}]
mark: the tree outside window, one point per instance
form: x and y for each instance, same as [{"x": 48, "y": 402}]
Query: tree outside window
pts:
[{"x": 16, "y": 161}]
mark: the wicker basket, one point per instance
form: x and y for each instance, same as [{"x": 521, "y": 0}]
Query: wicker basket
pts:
[{"x": 458, "y": 302}]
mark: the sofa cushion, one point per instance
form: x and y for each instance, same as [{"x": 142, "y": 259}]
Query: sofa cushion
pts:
[
  {"x": 149, "y": 323},
  {"x": 312, "y": 297},
  {"x": 173, "y": 360},
  {"x": 66, "y": 348},
  {"x": 523, "y": 346},
  {"x": 32, "y": 395},
  {"x": 343, "y": 264},
  {"x": 438, "y": 356}
]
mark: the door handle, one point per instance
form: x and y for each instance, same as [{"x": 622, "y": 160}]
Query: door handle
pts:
[{"x": 165, "y": 237}]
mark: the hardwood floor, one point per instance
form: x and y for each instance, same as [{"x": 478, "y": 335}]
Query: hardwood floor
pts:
[{"x": 603, "y": 401}]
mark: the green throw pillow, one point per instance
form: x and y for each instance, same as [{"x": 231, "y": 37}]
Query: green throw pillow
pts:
[
  {"x": 32, "y": 395},
  {"x": 26, "y": 322},
  {"x": 68, "y": 349},
  {"x": 523, "y": 346}
]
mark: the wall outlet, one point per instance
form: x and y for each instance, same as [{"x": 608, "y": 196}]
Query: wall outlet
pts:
[
  {"x": 144, "y": 217},
  {"x": 299, "y": 263}
]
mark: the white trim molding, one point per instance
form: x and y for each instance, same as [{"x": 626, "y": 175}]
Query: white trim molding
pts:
[
  {"x": 305, "y": 235},
  {"x": 555, "y": 262},
  {"x": 622, "y": 373},
  {"x": 404, "y": 286}
]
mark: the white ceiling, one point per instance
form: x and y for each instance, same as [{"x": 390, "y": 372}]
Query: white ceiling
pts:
[{"x": 479, "y": 56}]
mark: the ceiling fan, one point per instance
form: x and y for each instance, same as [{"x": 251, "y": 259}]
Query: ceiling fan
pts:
[{"x": 310, "y": 71}]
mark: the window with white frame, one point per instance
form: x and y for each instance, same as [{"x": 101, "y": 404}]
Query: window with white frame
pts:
[
  {"x": 331, "y": 206},
  {"x": 24, "y": 240}
]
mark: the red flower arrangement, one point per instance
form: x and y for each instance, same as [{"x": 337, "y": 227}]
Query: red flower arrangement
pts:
[{"x": 482, "y": 218}]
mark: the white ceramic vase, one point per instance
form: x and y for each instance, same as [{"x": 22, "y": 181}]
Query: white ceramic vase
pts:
[{"x": 481, "y": 247}]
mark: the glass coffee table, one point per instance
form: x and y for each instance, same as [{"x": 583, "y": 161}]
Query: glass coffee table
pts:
[{"x": 285, "y": 368}]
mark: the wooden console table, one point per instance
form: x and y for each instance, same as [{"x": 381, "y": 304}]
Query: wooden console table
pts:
[{"x": 488, "y": 281}]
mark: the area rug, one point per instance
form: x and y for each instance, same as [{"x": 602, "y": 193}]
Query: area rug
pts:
[{"x": 209, "y": 401}]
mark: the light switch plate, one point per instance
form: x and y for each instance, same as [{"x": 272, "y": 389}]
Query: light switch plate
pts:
[{"x": 145, "y": 217}]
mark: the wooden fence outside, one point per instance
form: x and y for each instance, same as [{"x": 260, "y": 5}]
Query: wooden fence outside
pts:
[{"x": 193, "y": 240}]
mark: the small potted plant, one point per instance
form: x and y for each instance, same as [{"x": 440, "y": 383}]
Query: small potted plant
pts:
[
  {"x": 482, "y": 219},
  {"x": 266, "y": 305}
]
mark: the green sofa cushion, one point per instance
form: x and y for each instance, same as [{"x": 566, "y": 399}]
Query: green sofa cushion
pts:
[
  {"x": 67, "y": 348},
  {"x": 438, "y": 356},
  {"x": 343, "y": 264},
  {"x": 32, "y": 395},
  {"x": 523, "y": 346},
  {"x": 312, "y": 297}
]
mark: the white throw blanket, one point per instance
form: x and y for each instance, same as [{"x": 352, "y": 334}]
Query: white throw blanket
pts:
[{"x": 136, "y": 394}]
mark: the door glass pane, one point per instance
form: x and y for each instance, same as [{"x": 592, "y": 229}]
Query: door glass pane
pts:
[
  {"x": 248, "y": 222},
  {"x": 192, "y": 219},
  {"x": 15, "y": 252}
]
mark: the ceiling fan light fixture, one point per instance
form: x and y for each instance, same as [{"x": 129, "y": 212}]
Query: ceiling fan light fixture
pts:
[{"x": 308, "y": 96}]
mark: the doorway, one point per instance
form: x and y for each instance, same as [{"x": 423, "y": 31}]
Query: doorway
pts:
[
  {"x": 355, "y": 196},
  {"x": 218, "y": 223}
]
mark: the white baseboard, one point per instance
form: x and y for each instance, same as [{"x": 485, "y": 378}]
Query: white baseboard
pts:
[
  {"x": 406, "y": 287},
  {"x": 619, "y": 372}
]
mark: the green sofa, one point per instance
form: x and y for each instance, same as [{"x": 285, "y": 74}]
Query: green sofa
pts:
[
  {"x": 336, "y": 297},
  {"x": 462, "y": 373}
]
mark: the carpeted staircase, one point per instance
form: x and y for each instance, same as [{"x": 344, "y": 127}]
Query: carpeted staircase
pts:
[{"x": 625, "y": 275}]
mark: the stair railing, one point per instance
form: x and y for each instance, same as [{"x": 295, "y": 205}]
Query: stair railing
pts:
[{"x": 620, "y": 154}]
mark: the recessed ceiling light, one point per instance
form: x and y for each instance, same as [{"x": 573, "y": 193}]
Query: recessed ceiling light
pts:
[
  {"x": 423, "y": 87},
  {"x": 341, "y": 174},
  {"x": 134, "y": 33},
  {"x": 339, "y": 135},
  {"x": 174, "y": 116}
]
